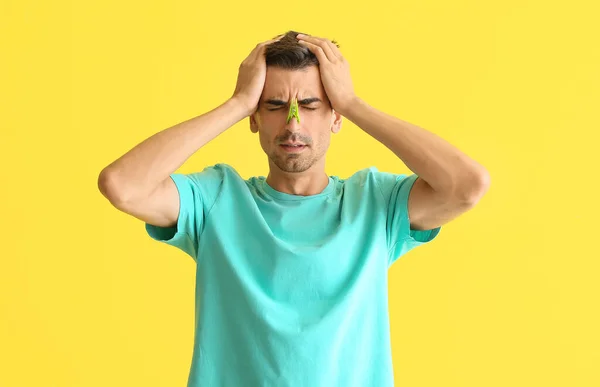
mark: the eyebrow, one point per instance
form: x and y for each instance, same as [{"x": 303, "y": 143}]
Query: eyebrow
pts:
[{"x": 305, "y": 101}]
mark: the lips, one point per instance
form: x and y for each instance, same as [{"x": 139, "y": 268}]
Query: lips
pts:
[{"x": 293, "y": 148}]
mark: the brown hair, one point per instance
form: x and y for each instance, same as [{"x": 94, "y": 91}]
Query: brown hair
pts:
[{"x": 287, "y": 53}]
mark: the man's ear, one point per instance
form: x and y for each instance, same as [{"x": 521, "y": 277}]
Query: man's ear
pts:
[
  {"x": 255, "y": 122},
  {"x": 336, "y": 121}
]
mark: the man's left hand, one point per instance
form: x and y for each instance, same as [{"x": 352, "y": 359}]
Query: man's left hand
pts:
[{"x": 335, "y": 72}]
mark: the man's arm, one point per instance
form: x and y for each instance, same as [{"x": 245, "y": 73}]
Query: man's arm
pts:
[
  {"x": 147, "y": 166},
  {"x": 139, "y": 182},
  {"x": 449, "y": 182}
]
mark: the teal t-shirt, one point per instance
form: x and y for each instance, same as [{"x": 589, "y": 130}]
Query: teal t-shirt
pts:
[{"x": 292, "y": 290}]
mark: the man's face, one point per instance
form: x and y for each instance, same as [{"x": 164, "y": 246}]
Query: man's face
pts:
[{"x": 317, "y": 119}]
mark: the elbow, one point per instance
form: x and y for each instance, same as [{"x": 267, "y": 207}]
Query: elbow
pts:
[
  {"x": 475, "y": 188},
  {"x": 109, "y": 187},
  {"x": 470, "y": 186}
]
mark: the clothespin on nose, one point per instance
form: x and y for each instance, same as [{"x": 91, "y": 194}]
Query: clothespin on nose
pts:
[{"x": 293, "y": 111}]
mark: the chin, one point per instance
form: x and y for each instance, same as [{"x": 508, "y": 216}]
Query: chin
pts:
[{"x": 292, "y": 165}]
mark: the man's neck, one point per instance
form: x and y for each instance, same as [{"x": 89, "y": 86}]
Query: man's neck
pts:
[{"x": 302, "y": 183}]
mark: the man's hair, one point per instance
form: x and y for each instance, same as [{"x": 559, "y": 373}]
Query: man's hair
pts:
[{"x": 288, "y": 54}]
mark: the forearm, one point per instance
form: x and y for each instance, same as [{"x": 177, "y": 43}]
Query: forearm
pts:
[
  {"x": 441, "y": 165},
  {"x": 139, "y": 171}
]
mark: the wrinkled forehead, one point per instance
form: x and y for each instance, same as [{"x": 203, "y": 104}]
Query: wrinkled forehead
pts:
[{"x": 284, "y": 84}]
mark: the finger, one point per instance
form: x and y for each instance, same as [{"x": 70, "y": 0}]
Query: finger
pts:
[
  {"x": 261, "y": 47},
  {"x": 328, "y": 47},
  {"x": 258, "y": 49},
  {"x": 335, "y": 49},
  {"x": 317, "y": 50},
  {"x": 267, "y": 42},
  {"x": 320, "y": 42}
]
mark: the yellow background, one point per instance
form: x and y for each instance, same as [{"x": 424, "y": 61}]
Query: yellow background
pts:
[{"x": 508, "y": 293}]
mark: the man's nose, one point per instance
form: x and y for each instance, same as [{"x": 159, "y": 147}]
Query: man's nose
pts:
[{"x": 293, "y": 125}]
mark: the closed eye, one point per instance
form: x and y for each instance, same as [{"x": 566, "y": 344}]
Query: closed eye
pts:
[{"x": 303, "y": 107}]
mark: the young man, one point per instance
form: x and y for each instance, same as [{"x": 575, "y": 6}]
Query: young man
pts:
[{"x": 292, "y": 269}]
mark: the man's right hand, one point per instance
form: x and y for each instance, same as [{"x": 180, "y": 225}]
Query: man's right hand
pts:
[{"x": 251, "y": 77}]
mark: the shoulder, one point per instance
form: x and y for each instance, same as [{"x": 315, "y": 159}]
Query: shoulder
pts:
[
  {"x": 361, "y": 176},
  {"x": 385, "y": 182},
  {"x": 213, "y": 173},
  {"x": 209, "y": 182}
]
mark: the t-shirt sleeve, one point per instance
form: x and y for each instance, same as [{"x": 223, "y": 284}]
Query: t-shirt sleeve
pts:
[
  {"x": 197, "y": 194},
  {"x": 401, "y": 238}
]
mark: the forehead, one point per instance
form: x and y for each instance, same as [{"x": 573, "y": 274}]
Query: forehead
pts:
[{"x": 282, "y": 83}]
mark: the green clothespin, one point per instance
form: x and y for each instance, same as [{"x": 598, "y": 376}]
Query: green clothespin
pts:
[{"x": 293, "y": 111}]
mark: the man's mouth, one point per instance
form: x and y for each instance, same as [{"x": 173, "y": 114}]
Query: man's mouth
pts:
[{"x": 293, "y": 148}]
